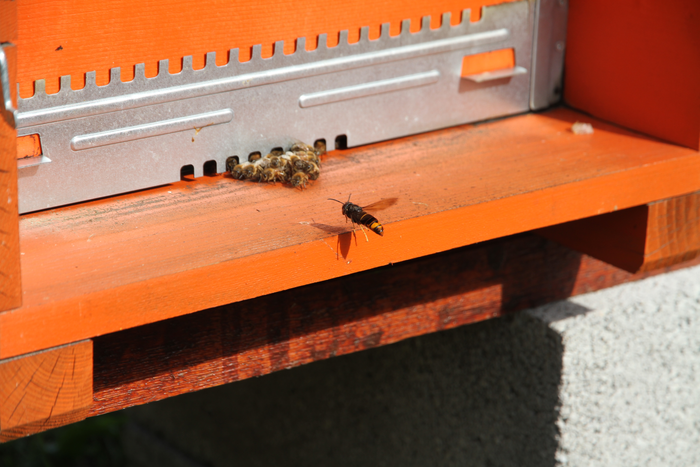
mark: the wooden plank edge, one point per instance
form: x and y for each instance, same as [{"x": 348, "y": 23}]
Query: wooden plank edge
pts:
[
  {"x": 10, "y": 277},
  {"x": 44, "y": 390},
  {"x": 168, "y": 296}
]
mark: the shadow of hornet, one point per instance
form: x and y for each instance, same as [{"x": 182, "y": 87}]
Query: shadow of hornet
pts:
[{"x": 343, "y": 240}]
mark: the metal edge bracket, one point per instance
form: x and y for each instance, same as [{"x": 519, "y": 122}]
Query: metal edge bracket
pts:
[
  {"x": 8, "y": 109},
  {"x": 548, "y": 48}
]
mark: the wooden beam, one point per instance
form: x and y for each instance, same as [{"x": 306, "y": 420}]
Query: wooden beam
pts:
[
  {"x": 673, "y": 231},
  {"x": 129, "y": 260},
  {"x": 341, "y": 316},
  {"x": 641, "y": 238},
  {"x": 10, "y": 285},
  {"x": 45, "y": 390}
]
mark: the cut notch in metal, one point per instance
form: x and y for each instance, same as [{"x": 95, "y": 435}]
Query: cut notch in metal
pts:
[{"x": 496, "y": 74}]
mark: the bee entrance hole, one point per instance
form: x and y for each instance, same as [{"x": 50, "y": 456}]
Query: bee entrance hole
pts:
[
  {"x": 341, "y": 142},
  {"x": 254, "y": 156},
  {"x": 320, "y": 145},
  {"x": 210, "y": 168},
  {"x": 187, "y": 171},
  {"x": 231, "y": 162}
]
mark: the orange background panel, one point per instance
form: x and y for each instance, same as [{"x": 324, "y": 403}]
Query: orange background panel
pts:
[
  {"x": 488, "y": 61},
  {"x": 28, "y": 146},
  {"x": 637, "y": 63},
  {"x": 71, "y": 37}
]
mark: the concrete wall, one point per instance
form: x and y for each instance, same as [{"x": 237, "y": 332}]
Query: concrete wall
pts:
[{"x": 609, "y": 378}]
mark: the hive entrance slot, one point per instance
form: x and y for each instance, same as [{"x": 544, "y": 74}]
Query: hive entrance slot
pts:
[
  {"x": 341, "y": 142},
  {"x": 210, "y": 168},
  {"x": 187, "y": 171}
]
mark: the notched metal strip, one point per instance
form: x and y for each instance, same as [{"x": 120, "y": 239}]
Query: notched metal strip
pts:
[
  {"x": 122, "y": 135},
  {"x": 369, "y": 89},
  {"x": 130, "y": 101}
]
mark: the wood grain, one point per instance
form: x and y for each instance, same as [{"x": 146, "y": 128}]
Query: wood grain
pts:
[
  {"x": 619, "y": 57},
  {"x": 341, "y": 316},
  {"x": 126, "y": 261},
  {"x": 642, "y": 238},
  {"x": 673, "y": 232},
  {"x": 71, "y": 37},
  {"x": 10, "y": 278},
  {"x": 45, "y": 390}
]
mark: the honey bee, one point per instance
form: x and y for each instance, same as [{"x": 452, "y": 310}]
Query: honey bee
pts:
[
  {"x": 357, "y": 214},
  {"x": 299, "y": 180},
  {"x": 231, "y": 163},
  {"x": 273, "y": 175},
  {"x": 263, "y": 163},
  {"x": 254, "y": 156},
  {"x": 251, "y": 172},
  {"x": 301, "y": 147},
  {"x": 296, "y": 166},
  {"x": 312, "y": 171},
  {"x": 313, "y": 157},
  {"x": 297, "y": 163},
  {"x": 320, "y": 146},
  {"x": 277, "y": 162},
  {"x": 237, "y": 171}
]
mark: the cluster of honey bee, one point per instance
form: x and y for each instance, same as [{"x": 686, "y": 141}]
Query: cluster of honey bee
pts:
[{"x": 296, "y": 166}]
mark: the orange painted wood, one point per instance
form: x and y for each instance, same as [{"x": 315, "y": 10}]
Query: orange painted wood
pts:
[
  {"x": 638, "y": 239},
  {"x": 45, "y": 390},
  {"x": 71, "y": 37},
  {"x": 130, "y": 260},
  {"x": 637, "y": 63},
  {"x": 8, "y": 22},
  {"x": 10, "y": 285},
  {"x": 28, "y": 146},
  {"x": 488, "y": 61},
  {"x": 10, "y": 278},
  {"x": 338, "y": 317}
]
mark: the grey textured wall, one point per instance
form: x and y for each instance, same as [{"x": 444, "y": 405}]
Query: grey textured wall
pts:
[
  {"x": 609, "y": 378},
  {"x": 630, "y": 391}
]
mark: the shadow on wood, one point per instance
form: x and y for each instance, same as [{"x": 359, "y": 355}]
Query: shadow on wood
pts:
[{"x": 637, "y": 239}]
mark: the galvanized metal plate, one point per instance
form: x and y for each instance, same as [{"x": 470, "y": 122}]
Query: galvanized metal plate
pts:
[{"x": 125, "y": 136}]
